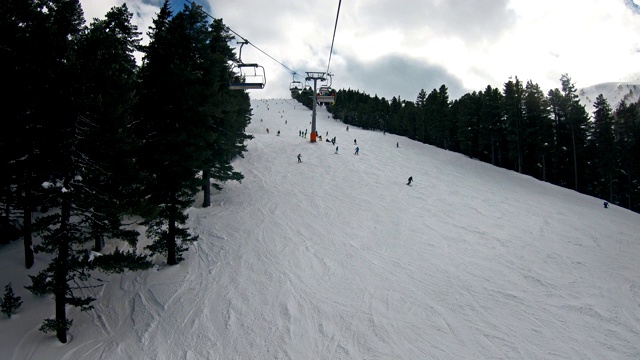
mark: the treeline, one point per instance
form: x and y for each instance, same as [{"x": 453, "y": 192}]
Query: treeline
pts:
[
  {"x": 91, "y": 138},
  {"x": 548, "y": 136}
]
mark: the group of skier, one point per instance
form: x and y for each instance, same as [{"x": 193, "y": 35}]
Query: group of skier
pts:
[
  {"x": 356, "y": 152},
  {"x": 303, "y": 134}
]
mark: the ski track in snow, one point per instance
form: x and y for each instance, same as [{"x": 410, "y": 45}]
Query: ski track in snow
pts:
[{"x": 336, "y": 258}]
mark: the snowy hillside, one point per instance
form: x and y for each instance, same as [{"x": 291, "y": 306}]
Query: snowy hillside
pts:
[
  {"x": 337, "y": 258},
  {"x": 614, "y": 92}
]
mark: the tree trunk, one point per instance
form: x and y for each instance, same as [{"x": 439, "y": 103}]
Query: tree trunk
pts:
[
  {"x": 520, "y": 165},
  {"x": 610, "y": 186},
  {"x": 629, "y": 190},
  {"x": 5, "y": 218},
  {"x": 575, "y": 159},
  {"x": 544, "y": 168},
  {"x": 61, "y": 272},
  {"x": 26, "y": 226},
  {"x": 27, "y": 239},
  {"x": 98, "y": 242},
  {"x": 206, "y": 186},
  {"x": 171, "y": 236},
  {"x": 493, "y": 151}
]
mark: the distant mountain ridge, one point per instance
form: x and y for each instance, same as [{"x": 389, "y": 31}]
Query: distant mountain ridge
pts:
[{"x": 614, "y": 92}]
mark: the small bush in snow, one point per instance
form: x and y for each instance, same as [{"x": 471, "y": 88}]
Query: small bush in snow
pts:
[{"x": 10, "y": 302}]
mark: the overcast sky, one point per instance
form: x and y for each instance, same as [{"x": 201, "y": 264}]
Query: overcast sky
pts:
[{"x": 395, "y": 48}]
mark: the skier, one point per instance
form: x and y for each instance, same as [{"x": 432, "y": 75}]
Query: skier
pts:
[
  {"x": 299, "y": 158},
  {"x": 347, "y": 128},
  {"x": 410, "y": 180},
  {"x": 398, "y": 144},
  {"x": 355, "y": 142},
  {"x": 267, "y": 130},
  {"x": 336, "y": 149},
  {"x": 278, "y": 134},
  {"x": 606, "y": 204},
  {"x": 357, "y": 151}
]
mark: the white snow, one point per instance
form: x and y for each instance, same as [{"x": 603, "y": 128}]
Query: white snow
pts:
[
  {"x": 336, "y": 258},
  {"x": 93, "y": 255}
]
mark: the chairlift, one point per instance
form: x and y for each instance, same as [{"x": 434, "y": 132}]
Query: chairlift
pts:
[
  {"x": 295, "y": 85},
  {"x": 247, "y": 76},
  {"x": 329, "y": 96},
  {"x": 328, "y": 81},
  {"x": 325, "y": 93}
]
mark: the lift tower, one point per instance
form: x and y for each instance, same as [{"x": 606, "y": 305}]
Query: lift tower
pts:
[{"x": 315, "y": 76}]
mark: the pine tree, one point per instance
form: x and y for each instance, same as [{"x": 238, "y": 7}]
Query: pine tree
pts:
[
  {"x": 230, "y": 113},
  {"x": 514, "y": 117},
  {"x": 604, "y": 149},
  {"x": 491, "y": 132},
  {"x": 437, "y": 113},
  {"x": 175, "y": 118},
  {"x": 10, "y": 302},
  {"x": 421, "y": 120},
  {"x": 27, "y": 64},
  {"x": 395, "y": 125},
  {"x": 467, "y": 113},
  {"x": 539, "y": 130},
  {"x": 65, "y": 233},
  {"x": 627, "y": 135},
  {"x": 559, "y": 154},
  {"x": 577, "y": 121},
  {"x": 80, "y": 208},
  {"x": 107, "y": 69}
]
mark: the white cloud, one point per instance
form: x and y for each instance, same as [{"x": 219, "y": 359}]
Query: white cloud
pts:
[{"x": 479, "y": 42}]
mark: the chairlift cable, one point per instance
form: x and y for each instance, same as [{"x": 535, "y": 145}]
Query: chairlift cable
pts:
[
  {"x": 245, "y": 40},
  {"x": 334, "y": 35}
]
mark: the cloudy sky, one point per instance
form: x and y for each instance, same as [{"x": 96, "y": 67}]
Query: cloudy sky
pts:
[{"x": 395, "y": 48}]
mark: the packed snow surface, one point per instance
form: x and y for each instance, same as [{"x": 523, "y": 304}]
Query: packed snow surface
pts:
[{"x": 337, "y": 258}]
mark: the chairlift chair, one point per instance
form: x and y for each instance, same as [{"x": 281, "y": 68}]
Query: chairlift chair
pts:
[
  {"x": 295, "y": 85},
  {"x": 326, "y": 97},
  {"x": 325, "y": 93},
  {"x": 246, "y": 76}
]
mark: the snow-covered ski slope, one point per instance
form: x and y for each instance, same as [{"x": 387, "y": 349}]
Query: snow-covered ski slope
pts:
[{"x": 336, "y": 258}]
